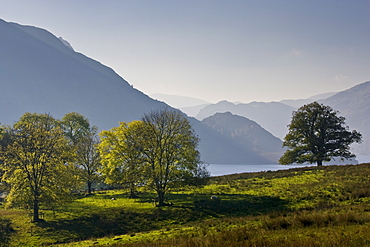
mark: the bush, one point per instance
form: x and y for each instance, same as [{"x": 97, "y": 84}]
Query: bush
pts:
[{"x": 5, "y": 231}]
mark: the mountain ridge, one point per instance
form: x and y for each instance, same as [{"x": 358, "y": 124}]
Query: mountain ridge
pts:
[
  {"x": 39, "y": 73},
  {"x": 354, "y": 105},
  {"x": 247, "y": 133},
  {"x": 179, "y": 101},
  {"x": 272, "y": 116},
  {"x": 57, "y": 73}
]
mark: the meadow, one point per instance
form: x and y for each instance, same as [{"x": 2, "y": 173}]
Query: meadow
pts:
[{"x": 313, "y": 206}]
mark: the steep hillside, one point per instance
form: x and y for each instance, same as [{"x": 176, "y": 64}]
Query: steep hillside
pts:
[
  {"x": 38, "y": 73},
  {"x": 250, "y": 135},
  {"x": 354, "y": 105},
  {"x": 42, "y": 73},
  {"x": 221, "y": 149},
  {"x": 272, "y": 116}
]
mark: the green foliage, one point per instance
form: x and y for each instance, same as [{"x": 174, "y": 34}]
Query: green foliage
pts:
[
  {"x": 160, "y": 151},
  {"x": 122, "y": 160},
  {"x": 312, "y": 206},
  {"x": 170, "y": 150},
  {"x": 5, "y": 232},
  {"x": 5, "y": 140},
  {"x": 83, "y": 141},
  {"x": 34, "y": 163},
  {"x": 76, "y": 126},
  {"x": 5, "y": 136},
  {"x": 317, "y": 134}
]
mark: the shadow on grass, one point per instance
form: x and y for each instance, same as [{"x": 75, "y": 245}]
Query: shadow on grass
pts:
[
  {"x": 242, "y": 205},
  {"x": 111, "y": 221},
  {"x": 98, "y": 222}
]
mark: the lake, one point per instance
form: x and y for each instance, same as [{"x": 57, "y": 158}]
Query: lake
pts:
[{"x": 224, "y": 169}]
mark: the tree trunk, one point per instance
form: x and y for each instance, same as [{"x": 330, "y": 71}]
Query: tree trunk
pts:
[
  {"x": 89, "y": 185},
  {"x": 36, "y": 210},
  {"x": 132, "y": 191},
  {"x": 319, "y": 163},
  {"x": 160, "y": 198}
]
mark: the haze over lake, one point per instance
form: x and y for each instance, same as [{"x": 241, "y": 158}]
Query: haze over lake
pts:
[{"x": 222, "y": 169}]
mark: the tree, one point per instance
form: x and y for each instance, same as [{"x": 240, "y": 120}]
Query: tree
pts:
[
  {"x": 5, "y": 140},
  {"x": 317, "y": 134},
  {"x": 75, "y": 126},
  {"x": 122, "y": 161},
  {"x": 34, "y": 163},
  {"x": 170, "y": 150},
  {"x": 83, "y": 141},
  {"x": 160, "y": 151},
  {"x": 88, "y": 159}
]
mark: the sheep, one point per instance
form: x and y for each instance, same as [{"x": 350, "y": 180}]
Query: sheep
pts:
[{"x": 215, "y": 198}]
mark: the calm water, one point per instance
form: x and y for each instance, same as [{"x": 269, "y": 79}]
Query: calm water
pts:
[{"x": 222, "y": 169}]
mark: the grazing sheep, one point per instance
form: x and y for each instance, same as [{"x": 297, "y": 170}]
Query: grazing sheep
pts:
[{"x": 215, "y": 198}]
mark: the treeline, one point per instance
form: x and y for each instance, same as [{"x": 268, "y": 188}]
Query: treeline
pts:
[{"x": 44, "y": 159}]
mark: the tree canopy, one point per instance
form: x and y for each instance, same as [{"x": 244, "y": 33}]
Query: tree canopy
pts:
[
  {"x": 83, "y": 141},
  {"x": 170, "y": 150},
  {"x": 316, "y": 134},
  {"x": 35, "y": 163},
  {"x": 160, "y": 151},
  {"x": 123, "y": 163}
]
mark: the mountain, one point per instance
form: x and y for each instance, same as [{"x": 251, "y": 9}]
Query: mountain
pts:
[
  {"x": 179, "y": 101},
  {"x": 272, "y": 116},
  {"x": 39, "y": 73},
  {"x": 248, "y": 134},
  {"x": 301, "y": 102},
  {"x": 189, "y": 105},
  {"x": 193, "y": 110},
  {"x": 354, "y": 105},
  {"x": 42, "y": 73}
]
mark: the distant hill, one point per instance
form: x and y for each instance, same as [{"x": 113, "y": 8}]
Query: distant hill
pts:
[
  {"x": 42, "y": 73},
  {"x": 354, "y": 105},
  {"x": 193, "y": 110},
  {"x": 250, "y": 135},
  {"x": 179, "y": 101},
  {"x": 300, "y": 102},
  {"x": 272, "y": 116},
  {"x": 189, "y": 105}
]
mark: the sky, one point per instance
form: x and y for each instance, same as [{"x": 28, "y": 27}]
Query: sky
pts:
[{"x": 235, "y": 50}]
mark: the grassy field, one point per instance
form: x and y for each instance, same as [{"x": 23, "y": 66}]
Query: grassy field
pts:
[{"x": 326, "y": 206}]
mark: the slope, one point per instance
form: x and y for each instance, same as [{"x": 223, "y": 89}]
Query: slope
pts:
[
  {"x": 179, "y": 101},
  {"x": 272, "y": 116},
  {"x": 42, "y": 73},
  {"x": 39, "y": 73},
  {"x": 354, "y": 105},
  {"x": 248, "y": 134}
]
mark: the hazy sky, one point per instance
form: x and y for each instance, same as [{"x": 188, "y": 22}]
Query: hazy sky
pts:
[{"x": 236, "y": 50}]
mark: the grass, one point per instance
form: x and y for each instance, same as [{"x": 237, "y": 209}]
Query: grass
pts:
[{"x": 326, "y": 206}]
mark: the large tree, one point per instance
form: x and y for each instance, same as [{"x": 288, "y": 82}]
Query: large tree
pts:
[
  {"x": 34, "y": 163},
  {"x": 316, "y": 134},
  {"x": 83, "y": 141},
  {"x": 122, "y": 161},
  {"x": 159, "y": 151},
  {"x": 170, "y": 150}
]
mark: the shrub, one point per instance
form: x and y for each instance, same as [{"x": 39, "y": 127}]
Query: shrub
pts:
[{"x": 5, "y": 231}]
